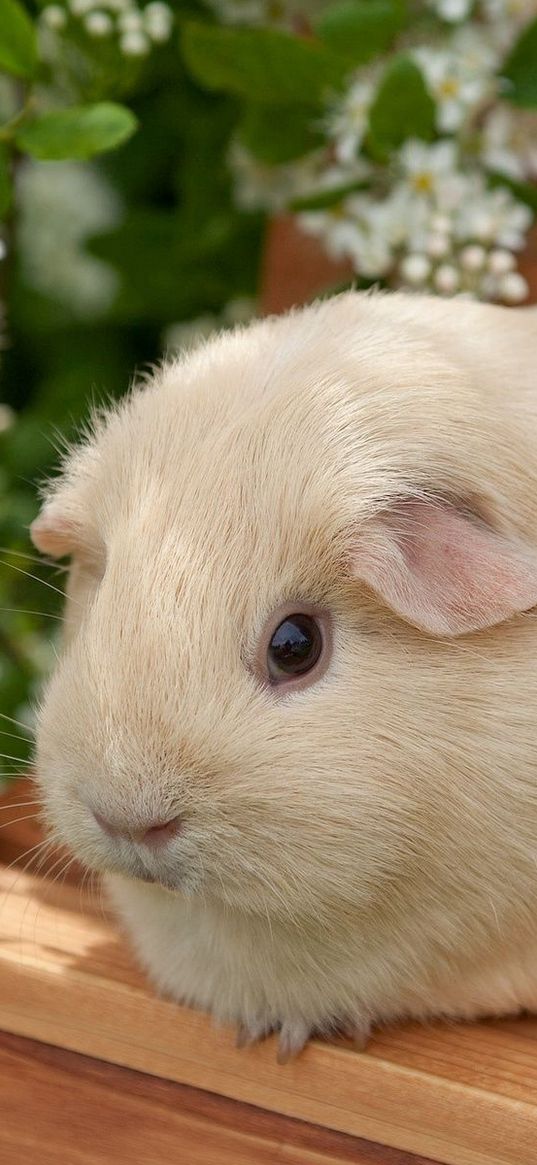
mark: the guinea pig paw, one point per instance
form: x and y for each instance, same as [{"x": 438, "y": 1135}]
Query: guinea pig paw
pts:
[{"x": 294, "y": 1035}]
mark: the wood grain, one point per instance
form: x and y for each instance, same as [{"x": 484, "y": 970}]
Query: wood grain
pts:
[
  {"x": 463, "y": 1095},
  {"x": 84, "y": 1112}
]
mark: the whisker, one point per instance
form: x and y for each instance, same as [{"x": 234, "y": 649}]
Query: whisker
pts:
[
  {"x": 23, "y": 611},
  {"x": 16, "y": 736},
  {"x": 13, "y": 721},
  {"x": 31, "y": 854},
  {"x": 40, "y": 559},
  {"x": 19, "y": 760},
  {"x": 36, "y": 578},
  {"x": 15, "y": 820},
  {"x": 20, "y": 805}
]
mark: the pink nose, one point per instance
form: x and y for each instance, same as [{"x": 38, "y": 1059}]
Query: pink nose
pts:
[{"x": 153, "y": 835}]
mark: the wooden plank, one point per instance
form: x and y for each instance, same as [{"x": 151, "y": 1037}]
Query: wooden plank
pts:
[
  {"x": 85, "y": 1112},
  {"x": 462, "y": 1095}
]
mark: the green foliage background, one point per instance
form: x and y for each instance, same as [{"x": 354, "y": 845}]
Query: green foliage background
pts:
[{"x": 182, "y": 250}]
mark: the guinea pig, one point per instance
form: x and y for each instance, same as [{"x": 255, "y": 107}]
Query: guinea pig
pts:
[{"x": 293, "y": 717}]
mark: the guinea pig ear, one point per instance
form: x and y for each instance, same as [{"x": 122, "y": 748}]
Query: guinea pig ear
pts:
[
  {"x": 443, "y": 570},
  {"x": 54, "y": 532}
]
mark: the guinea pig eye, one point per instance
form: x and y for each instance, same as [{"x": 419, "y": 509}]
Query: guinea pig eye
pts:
[{"x": 294, "y": 648}]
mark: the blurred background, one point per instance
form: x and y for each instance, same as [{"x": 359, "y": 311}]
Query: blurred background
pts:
[{"x": 167, "y": 170}]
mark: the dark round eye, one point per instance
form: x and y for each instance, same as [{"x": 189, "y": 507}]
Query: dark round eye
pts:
[{"x": 295, "y": 647}]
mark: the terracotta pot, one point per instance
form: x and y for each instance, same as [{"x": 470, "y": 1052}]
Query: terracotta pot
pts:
[{"x": 295, "y": 267}]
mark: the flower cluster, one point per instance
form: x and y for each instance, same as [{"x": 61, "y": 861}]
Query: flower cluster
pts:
[
  {"x": 437, "y": 228},
  {"x": 435, "y": 215},
  {"x": 135, "y": 28}
]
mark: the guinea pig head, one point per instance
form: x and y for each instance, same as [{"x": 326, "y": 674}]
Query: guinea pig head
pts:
[{"x": 290, "y": 554}]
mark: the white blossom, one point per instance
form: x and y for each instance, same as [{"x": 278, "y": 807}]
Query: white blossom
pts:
[
  {"x": 7, "y": 417},
  {"x": 446, "y": 279},
  {"x": 452, "y": 10},
  {"x": 415, "y": 268},
  {"x": 513, "y": 288},
  {"x": 457, "y": 91},
  {"x": 426, "y": 169},
  {"x": 61, "y": 204},
  {"x": 500, "y": 262},
  {"x": 54, "y": 16},
  {"x": 493, "y": 217},
  {"x": 98, "y": 23},
  {"x": 134, "y": 44},
  {"x": 158, "y": 20},
  {"x": 509, "y": 142},
  {"x": 472, "y": 258},
  {"x": 348, "y": 122}
]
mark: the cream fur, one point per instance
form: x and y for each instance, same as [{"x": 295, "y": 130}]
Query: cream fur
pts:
[{"x": 364, "y": 849}]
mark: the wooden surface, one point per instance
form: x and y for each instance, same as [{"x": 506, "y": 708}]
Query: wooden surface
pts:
[
  {"x": 59, "y": 1108},
  {"x": 463, "y": 1095}
]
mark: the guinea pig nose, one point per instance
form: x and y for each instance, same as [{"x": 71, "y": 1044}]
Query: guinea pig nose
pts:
[
  {"x": 152, "y": 835},
  {"x": 158, "y": 834}
]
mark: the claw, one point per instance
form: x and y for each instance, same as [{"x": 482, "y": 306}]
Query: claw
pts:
[
  {"x": 359, "y": 1032},
  {"x": 293, "y": 1038}
]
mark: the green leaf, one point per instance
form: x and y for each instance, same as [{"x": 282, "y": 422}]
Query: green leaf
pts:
[
  {"x": 361, "y": 29},
  {"x": 403, "y": 108},
  {"x": 18, "y": 47},
  {"x": 289, "y": 135},
  {"x": 5, "y": 181},
  {"x": 261, "y": 64},
  {"x": 520, "y": 68},
  {"x": 78, "y": 132}
]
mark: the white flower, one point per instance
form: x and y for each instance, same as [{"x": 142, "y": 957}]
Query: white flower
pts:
[
  {"x": 98, "y": 23},
  {"x": 509, "y": 142},
  {"x": 494, "y": 217},
  {"x": 7, "y": 418},
  {"x": 415, "y": 269},
  {"x": 80, "y": 7},
  {"x": 513, "y": 288},
  {"x": 54, "y": 16},
  {"x": 427, "y": 168},
  {"x": 353, "y": 231},
  {"x": 472, "y": 258},
  {"x": 457, "y": 92},
  {"x": 446, "y": 279},
  {"x": 134, "y": 44},
  {"x": 61, "y": 204},
  {"x": 158, "y": 20},
  {"x": 452, "y": 10},
  {"x": 348, "y": 122},
  {"x": 500, "y": 262},
  {"x": 475, "y": 49}
]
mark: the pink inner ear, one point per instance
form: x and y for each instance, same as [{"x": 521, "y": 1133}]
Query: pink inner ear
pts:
[
  {"x": 441, "y": 570},
  {"x": 52, "y": 533}
]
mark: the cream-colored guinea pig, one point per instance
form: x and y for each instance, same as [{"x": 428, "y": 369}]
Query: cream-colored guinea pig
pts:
[{"x": 294, "y": 718}]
